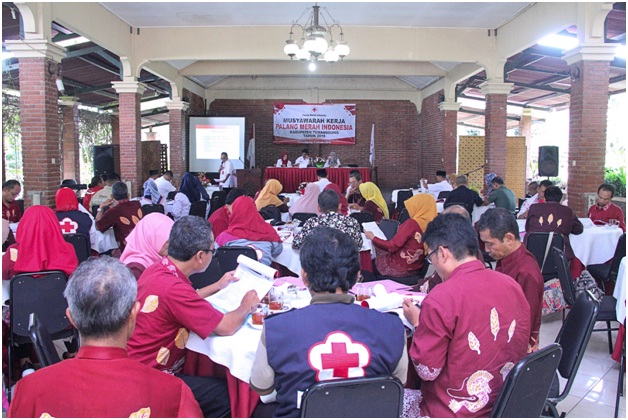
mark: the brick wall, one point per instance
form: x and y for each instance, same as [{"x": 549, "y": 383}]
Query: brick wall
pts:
[
  {"x": 437, "y": 137},
  {"x": 587, "y": 131},
  {"x": 130, "y": 144},
  {"x": 495, "y": 142},
  {"x": 397, "y": 148},
  {"x": 196, "y": 108},
  {"x": 70, "y": 143},
  {"x": 39, "y": 114}
]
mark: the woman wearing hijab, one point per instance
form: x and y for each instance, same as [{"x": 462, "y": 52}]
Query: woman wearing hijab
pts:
[
  {"x": 404, "y": 254},
  {"x": 247, "y": 228},
  {"x": 268, "y": 196},
  {"x": 191, "y": 190},
  {"x": 332, "y": 161},
  {"x": 488, "y": 180},
  {"x": 283, "y": 162},
  {"x": 309, "y": 202},
  {"x": 71, "y": 219},
  {"x": 375, "y": 203},
  {"x": 147, "y": 243},
  {"x": 344, "y": 204}
]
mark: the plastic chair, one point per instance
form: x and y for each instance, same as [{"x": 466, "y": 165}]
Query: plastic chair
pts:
[
  {"x": 362, "y": 217},
  {"x": 404, "y": 215},
  {"x": 207, "y": 277},
  {"x": 227, "y": 256},
  {"x": 198, "y": 208},
  {"x": 81, "y": 244},
  {"x": 389, "y": 227},
  {"x": 608, "y": 304},
  {"x": 527, "y": 386},
  {"x": 375, "y": 397},
  {"x": 44, "y": 347},
  {"x": 303, "y": 217},
  {"x": 536, "y": 243},
  {"x": 573, "y": 338},
  {"x": 152, "y": 208},
  {"x": 402, "y": 196},
  {"x": 606, "y": 272}
]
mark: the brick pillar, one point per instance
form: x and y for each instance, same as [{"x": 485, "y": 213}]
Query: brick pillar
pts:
[
  {"x": 70, "y": 138},
  {"x": 115, "y": 128},
  {"x": 495, "y": 127},
  {"x": 130, "y": 94},
  {"x": 589, "y": 68},
  {"x": 178, "y": 144},
  {"x": 525, "y": 130},
  {"x": 450, "y": 135}
]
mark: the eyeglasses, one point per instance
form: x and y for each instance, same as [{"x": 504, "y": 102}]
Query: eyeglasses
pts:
[
  {"x": 428, "y": 257},
  {"x": 212, "y": 251}
]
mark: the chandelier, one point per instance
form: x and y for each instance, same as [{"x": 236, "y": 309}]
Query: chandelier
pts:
[{"x": 317, "y": 41}]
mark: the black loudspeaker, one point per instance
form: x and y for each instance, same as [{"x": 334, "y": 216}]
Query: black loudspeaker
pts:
[
  {"x": 548, "y": 161},
  {"x": 104, "y": 160}
]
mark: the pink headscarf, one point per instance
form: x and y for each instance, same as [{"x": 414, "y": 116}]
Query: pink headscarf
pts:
[
  {"x": 309, "y": 202},
  {"x": 146, "y": 239}
]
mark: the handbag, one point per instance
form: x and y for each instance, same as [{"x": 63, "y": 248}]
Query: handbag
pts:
[
  {"x": 553, "y": 300},
  {"x": 587, "y": 282}
]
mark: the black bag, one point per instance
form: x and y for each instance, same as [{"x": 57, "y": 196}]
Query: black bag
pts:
[{"x": 587, "y": 282}]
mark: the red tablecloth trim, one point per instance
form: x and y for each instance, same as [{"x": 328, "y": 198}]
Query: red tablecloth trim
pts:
[
  {"x": 290, "y": 178},
  {"x": 366, "y": 263},
  {"x": 619, "y": 344}
]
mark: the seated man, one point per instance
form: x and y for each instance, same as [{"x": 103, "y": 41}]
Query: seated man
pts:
[
  {"x": 322, "y": 182},
  {"x": 330, "y": 324},
  {"x": 105, "y": 192},
  {"x": 101, "y": 381},
  {"x": 552, "y": 216},
  {"x": 539, "y": 197},
  {"x": 604, "y": 210},
  {"x": 353, "y": 190},
  {"x": 303, "y": 161},
  {"x": 502, "y": 196},
  {"x": 500, "y": 233},
  {"x": 120, "y": 212},
  {"x": 435, "y": 189},
  {"x": 533, "y": 188},
  {"x": 151, "y": 191},
  {"x": 171, "y": 308},
  {"x": 463, "y": 195},
  {"x": 470, "y": 331},
  {"x": 165, "y": 184},
  {"x": 328, "y": 206}
]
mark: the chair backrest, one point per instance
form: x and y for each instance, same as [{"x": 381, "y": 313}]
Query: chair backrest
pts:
[
  {"x": 467, "y": 206},
  {"x": 375, "y": 397},
  {"x": 152, "y": 208},
  {"x": 520, "y": 202},
  {"x": 207, "y": 277},
  {"x": 404, "y": 215},
  {"x": 95, "y": 210},
  {"x": 564, "y": 275},
  {"x": 271, "y": 212},
  {"x": 536, "y": 242},
  {"x": 81, "y": 244},
  {"x": 219, "y": 198},
  {"x": 443, "y": 195},
  {"x": 574, "y": 337},
  {"x": 362, "y": 217},
  {"x": 44, "y": 347},
  {"x": 620, "y": 252},
  {"x": 389, "y": 227},
  {"x": 171, "y": 195},
  {"x": 528, "y": 384},
  {"x": 228, "y": 256},
  {"x": 42, "y": 295},
  {"x": 402, "y": 196},
  {"x": 198, "y": 208},
  {"x": 303, "y": 217}
]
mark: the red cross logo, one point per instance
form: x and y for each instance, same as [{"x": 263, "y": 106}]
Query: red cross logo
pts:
[
  {"x": 338, "y": 356},
  {"x": 314, "y": 109},
  {"x": 68, "y": 226}
]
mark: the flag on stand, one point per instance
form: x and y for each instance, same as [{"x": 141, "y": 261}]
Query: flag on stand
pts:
[
  {"x": 372, "y": 151},
  {"x": 250, "y": 153}
]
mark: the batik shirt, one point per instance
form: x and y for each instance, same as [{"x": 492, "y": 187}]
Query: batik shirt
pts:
[{"x": 334, "y": 220}]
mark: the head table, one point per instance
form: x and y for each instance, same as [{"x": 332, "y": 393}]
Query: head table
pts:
[{"x": 290, "y": 178}]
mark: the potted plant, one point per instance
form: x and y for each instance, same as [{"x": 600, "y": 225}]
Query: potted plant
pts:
[{"x": 318, "y": 161}]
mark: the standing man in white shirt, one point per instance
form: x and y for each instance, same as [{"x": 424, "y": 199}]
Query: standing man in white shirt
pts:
[
  {"x": 440, "y": 185},
  {"x": 165, "y": 184},
  {"x": 303, "y": 161},
  {"x": 227, "y": 173}
]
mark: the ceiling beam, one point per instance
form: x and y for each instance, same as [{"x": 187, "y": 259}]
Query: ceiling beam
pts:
[{"x": 83, "y": 51}]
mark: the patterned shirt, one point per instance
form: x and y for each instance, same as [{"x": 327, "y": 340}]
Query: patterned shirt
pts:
[{"x": 334, "y": 220}]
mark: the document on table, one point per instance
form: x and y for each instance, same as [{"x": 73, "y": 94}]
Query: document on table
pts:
[
  {"x": 373, "y": 227},
  {"x": 252, "y": 275}
]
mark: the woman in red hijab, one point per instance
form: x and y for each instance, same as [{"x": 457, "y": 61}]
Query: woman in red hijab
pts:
[
  {"x": 71, "y": 219},
  {"x": 248, "y": 228},
  {"x": 40, "y": 246},
  {"x": 284, "y": 162},
  {"x": 344, "y": 204}
]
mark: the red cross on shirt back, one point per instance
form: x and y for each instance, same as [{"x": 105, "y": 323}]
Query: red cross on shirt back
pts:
[{"x": 338, "y": 356}]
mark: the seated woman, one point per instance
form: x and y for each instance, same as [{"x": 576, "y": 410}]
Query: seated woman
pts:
[
  {"x": 71, "y": 219},
  {"x": 375, "y": 203},
  {"x": 309, "y": 202},
  {"x": 220, "y": 218},
  {"x": 268, "y": 196},
  {"x": 191, "y": 190},
  {"x": 332, "y": 161},
  {"x": 147, "y": 243},
  {"x": 404, "y": 254},
  {"x": 344, "y": 204},
  {"x": 247, "y": 228},
  {"x": 96, "y": 185},
  {"x": 283, "y": 162}
]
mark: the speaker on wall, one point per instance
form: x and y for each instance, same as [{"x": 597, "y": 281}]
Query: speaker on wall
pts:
[
  {"x": 104, "y": 160},
  {"x": 548, "y": 161}
]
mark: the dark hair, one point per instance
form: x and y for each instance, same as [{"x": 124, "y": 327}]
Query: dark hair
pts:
[
  {"x": 189, "y": 235},
  {"x": 331, "y": 260},
  {"x": 328, "y": 201},
  {"x": 498, "y": 180},
  {"x": 321, "y": 173},
  {"x": 499, "y": 222},
  {"x": 120, "y": 191},
  {"x": 68, "y": 183},
  {"x": 305, "y": 151},
  {"x": 104, "y": 177},
  {"x": 546, "y": 183},
  {"x": 113, "y": 177},
  {"x": 553, "y": 194},
  {"x": 225, "y": 153},
  {"x": 356, "y": 175},
  {"x": 233, "y": 194},
  {"x": 153, "y": 172},
  {"x": 607, "y": 187},
  {"x": 533, "y": 184},
  {"x": 169, "y": 173},
  {"x": 10, "y": 184},
  {"x": 95, "y": 181},
  {"x": 454, "y": 232}
]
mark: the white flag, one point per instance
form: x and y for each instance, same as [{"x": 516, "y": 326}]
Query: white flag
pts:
[
  {"x": 372, "y": 151},
  {"x": 250, "y": 154}
]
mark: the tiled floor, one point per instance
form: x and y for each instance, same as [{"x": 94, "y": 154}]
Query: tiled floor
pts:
[{"x": 594, "y": 390}]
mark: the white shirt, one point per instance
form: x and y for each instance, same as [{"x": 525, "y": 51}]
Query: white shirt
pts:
[
  {"x": 227, "y": 169},
  {"x": 302, "y": 162},
  {"x": 280, "y": 162},
  {"x": 526, "y": 204},
  {"x": 100, "y": 196},
  {"x": 327, "y": 164},
  {"x": 322, "y": 183},
  {"x": 436, "y": 189},
  {"x": 164, "y": 186}
]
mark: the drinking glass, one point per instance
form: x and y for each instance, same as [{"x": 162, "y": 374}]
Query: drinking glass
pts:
[
  {"x": 275, "y": 299},
  {"x": 259, "y": 311},
  {"x": 363, "y": 291}
]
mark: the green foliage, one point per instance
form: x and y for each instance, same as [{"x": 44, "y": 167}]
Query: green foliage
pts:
[
  {"x": 12, "y": 132},
  {"x": 94, "y": 130},
  {"x": 617, "y": 177}
]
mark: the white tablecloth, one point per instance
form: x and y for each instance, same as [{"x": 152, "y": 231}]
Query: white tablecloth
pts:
[{"x": 620, "y": 292}]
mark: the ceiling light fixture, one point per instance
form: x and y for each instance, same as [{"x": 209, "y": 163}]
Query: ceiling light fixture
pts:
[{"x": 317, "y": 41}]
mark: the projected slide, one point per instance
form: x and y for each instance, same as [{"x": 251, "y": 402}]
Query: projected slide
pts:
[{"x": 210, "y": 136}]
